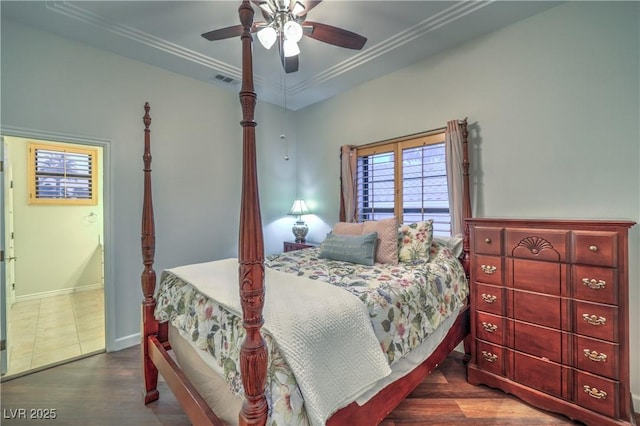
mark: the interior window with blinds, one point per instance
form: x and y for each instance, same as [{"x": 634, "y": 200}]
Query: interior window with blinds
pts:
[
  {"x": 62, "y": 175},
  {"x": 406, "y": 178}
]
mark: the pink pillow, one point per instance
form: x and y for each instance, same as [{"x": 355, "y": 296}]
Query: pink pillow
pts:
[
  {"x": 348, "y": 228},
  {"x": 387, "y": 229}
]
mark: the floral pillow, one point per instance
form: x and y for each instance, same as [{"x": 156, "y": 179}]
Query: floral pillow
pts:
[{"x": 415, "y": 241}]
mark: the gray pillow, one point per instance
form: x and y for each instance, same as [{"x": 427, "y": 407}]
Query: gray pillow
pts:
[{"x": 350, "y": 248}]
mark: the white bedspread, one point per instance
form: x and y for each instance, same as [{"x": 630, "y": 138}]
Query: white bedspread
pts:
[{"x": 323, "y": 332}]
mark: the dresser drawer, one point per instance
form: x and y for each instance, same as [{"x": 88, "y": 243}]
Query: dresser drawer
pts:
[
  {"x": 595, "y": 248},
  {"x": 490, "y": 357},
  {"x": 541, "y": 277},
  {"x": 490, "y": 328},
  {"x": 537, "y": 308},
  {"x": 595, "y": 284},
  {"x": 596, "y": 320},
  {"x": 489, "y": 298},
  {"x": 538, "y": 244},
  {"x": 488, "y": 240},
  {"x": 488, "y": 269},
  {"x": 538, "y": 373},
  {"x": 539, "y": 341},
  {"x": 597, "y": 393},
  {"x": 597, "y": 356}
]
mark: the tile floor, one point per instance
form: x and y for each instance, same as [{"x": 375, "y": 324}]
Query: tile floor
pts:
[{"x": 52, "y": 329}]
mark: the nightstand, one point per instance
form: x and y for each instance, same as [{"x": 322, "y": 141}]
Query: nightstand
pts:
[{"x": 291, "y": 245}]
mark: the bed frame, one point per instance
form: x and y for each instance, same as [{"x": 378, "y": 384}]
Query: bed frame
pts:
[{"x": 253, "y": 357}]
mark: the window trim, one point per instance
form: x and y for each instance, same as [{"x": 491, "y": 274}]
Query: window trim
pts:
[{"x": 32, "y": 175}]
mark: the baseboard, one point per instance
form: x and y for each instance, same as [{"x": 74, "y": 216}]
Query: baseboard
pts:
[
  {"x": 125, "y": 342},
  {"x": 60, "y": 292},
  {"x": 635, "y": 400}
]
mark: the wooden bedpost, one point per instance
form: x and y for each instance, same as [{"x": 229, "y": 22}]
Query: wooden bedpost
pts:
[
  {"x": 253, "y": 355},
  {"x": 466, "y": 214},
  {"x": 148, "y": 278},
  {"x": 466, "y": 198}
]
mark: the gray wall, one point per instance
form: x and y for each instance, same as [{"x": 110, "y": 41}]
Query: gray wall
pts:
[{"x": 553, "y": 105}]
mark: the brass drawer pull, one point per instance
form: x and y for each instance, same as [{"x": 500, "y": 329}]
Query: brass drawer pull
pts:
[
  {"x": 491, "y": 328},
  {"x": 489, "y": 298},
  {"x": 594, "y": 284},
  {"x": 594, "y": 392},
  {"x": 595, "y": 356},
  {"x": 487, "y": 240},
  {"x": 487, "y": 269},
  {"x": 489, "y": 356},
  {"x": 594, "y": 319},
  {"x": 593, "y": 248}
]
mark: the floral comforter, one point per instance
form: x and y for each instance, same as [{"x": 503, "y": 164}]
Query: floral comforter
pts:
[{"x": 406, "y": 302}]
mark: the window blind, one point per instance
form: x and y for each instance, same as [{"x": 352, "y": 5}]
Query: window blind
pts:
[
  {"x": 406, "y": 178},
  {"x": 424, "y": 186},
  {"x": 375, "y": 186},
  {"x": 62, "y": 174}
]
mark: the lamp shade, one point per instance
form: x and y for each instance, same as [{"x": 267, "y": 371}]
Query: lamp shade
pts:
[
  {"x": 299, "y": 208},
  {"x": 290, "y": 48},
  {"x": 267, "y": 37},
  {"x": 292, "y": 31}
]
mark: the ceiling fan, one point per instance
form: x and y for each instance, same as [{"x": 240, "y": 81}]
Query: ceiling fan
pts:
[{"x": 285, "y": 23}]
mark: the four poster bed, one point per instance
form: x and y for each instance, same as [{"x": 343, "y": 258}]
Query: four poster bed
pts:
[{"x": 342, "y": 343}]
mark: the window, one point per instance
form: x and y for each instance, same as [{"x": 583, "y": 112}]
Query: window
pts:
[
  {"x": 62, "y": 175},
  {"x": 406, "y": 178}
]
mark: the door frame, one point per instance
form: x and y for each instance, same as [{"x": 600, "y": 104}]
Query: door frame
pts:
[{"x": 108, "y": 213}]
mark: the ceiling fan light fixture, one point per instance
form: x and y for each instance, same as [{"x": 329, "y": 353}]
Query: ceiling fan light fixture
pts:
[
  {"x": 290, "y": 48},
  {"x": 292, "y": 31},
  {"x": 267, "y": 37}
]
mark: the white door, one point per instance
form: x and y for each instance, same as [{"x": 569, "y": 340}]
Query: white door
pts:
[
  {"x": 11, "y": 258},
  {"x": 4, "y": 306}
]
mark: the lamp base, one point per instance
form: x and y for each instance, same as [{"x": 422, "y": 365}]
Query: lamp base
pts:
[{"x": 300, "y": 230}]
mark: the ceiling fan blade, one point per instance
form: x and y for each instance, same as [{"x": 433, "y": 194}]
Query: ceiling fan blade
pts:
[
  {"x": 222, "y": 33},
  {"x": 265, "y": 8},
  {"x": 229, "y": 32},
  {"x": 336, "y": 36},
  {"x": 308, "y": 5},
  {"x": 290, "y": 63}
]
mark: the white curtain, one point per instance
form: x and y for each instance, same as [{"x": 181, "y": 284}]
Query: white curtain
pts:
[{"x": 454, "y": 158}]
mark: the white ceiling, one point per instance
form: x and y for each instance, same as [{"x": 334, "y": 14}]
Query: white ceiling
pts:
[{"x": 167, "y": 34}]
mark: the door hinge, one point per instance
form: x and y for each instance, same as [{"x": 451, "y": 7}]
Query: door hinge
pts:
[
  {"x": 3, "y": 345},
  {"x": 12, "y": 237},
  {"x": 11, "y": 185},
  {"x": 1, "y": 255},
  {"x": 1, "y": 166}
]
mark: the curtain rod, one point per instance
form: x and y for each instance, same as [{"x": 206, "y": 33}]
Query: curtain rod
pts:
[{"x": 405, "y": 137}]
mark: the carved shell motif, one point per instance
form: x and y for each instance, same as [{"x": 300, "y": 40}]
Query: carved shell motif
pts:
[{"x": 535, "y": 244}]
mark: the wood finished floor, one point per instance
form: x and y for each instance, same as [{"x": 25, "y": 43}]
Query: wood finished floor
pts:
[{"x": 106, "y": 389}]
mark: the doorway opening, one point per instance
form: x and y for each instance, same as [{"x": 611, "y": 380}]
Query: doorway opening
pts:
[{"x": 54, "y": 262}]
